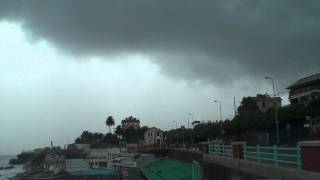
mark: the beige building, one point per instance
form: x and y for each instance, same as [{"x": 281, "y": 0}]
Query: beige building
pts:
[
  {"x": 265, "y": 102},
  {"x": 130, "y": 122},
  {"x": 153, "y": 136},
  {"x": 305, "y": 90}
]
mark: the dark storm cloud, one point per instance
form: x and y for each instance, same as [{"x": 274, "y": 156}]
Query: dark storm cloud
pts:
[{"x": 215, "y": 41}]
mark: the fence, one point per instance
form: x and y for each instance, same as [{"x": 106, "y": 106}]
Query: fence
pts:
[
  {"x": 278, "y": 156},
  {"x": 197, "y": 173},
  {"x": 221, "y": 150}
]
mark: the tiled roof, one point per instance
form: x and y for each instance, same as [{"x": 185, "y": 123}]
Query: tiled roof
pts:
[
  {"x": 154, "y": 128},
  {"x": 130, "y": 119},
  {"x": 305, "y": 80},
  {"x": 266, "y": 97}
]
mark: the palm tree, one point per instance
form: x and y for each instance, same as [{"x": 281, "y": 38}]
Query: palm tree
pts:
[{"x": 110, "y": 122}]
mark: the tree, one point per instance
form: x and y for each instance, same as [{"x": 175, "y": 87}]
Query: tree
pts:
[
  {"x": 248, "y": 104},
  {"x": 180, "y": 135},
  {"x": 292, "y": 113},
  {"x": 85, "y": 137},
  {"x": 110, "y": 138},
  {"x": 119, "y": 131},
  {"x": 110, "y": 122},
  {"x": 314, "y": 108},
  {"x": 249, "y": 117},
  {"x": 132, "y": 135},
  {"x": 89, "y": 137}
]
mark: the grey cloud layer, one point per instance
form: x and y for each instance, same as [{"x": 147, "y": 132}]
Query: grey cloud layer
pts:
[{"x": 215, "y": 41}]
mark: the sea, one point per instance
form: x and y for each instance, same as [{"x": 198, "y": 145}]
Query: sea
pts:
[{"x": 5, "y": 174}]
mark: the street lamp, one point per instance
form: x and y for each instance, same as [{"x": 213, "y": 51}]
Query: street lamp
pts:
[
  {"x": 221, "y": 128},
  {"x": 189, "y": 119},
  {"x": 176, "y": 124},
  {"x": 216, "y": 101},
  {"x": 275, "y": 109},
  {"x": 267, "y": 77}
]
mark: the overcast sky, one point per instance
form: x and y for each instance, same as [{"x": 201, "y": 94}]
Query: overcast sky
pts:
[{"x": 66, "y": 65}]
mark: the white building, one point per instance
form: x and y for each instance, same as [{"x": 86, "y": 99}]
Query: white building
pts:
[
  {"x": 153, "y": 136},
  {"x": 305, "y": 90},
  {"x": 76, "y": 165},
  {"x": 54, "y": 163},
  {"x": 105, "y": 153},
  {"x": 102, "y": 158},
  {"x": 123, "y": 162}
]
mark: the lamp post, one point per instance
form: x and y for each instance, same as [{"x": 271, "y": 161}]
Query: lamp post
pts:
[
  {"x": 191, "y": 141},
  {"x": 267, "y": 77},
  {"x": 183, "y": 129},
  {"x": 176, "y": 124},
  {"x": 189, "y": 119},
  {"x": 221, "y": 128},
  {"x": 216, "y": 101},
  {"x": 275, "y": 109}
]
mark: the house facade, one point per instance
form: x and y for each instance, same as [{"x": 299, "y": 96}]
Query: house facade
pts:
[
  {"x": 265, "y": 102},
  {"x": 105, "y": 153},
  {"x": 102, "y": 158},
  {"x": 64, "y": 160},
  {"x": 130, "y": 122},
  {"x": 305, "y": 90},
  {"x": 153, "y": 136}
]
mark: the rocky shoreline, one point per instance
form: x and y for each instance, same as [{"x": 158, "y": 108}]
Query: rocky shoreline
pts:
[{"x": 62, "y": 176}]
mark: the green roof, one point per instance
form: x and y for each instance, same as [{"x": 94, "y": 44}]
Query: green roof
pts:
[{"x": 167, "y": 169}]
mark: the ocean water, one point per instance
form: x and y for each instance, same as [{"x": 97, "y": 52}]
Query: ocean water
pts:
[{"x": 6, "y": 174}]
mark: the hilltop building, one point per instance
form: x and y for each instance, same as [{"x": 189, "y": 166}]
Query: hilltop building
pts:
[
  {"x": 130, "y": 122},
  {"x": 265, "y": 102},
  {"x": 153, "y": 136},
  {"x": 261, "y": 102},
  {"x": 305, "y": 90}
]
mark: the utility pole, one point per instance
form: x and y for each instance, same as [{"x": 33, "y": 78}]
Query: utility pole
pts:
[
  {"x": 221, "y": 127},
  {"x": 189, "y": 114},
  {"x": 188, "y": 120},
  {"x": 275, "y": 110},
  {"x": 234, "y": 106}
]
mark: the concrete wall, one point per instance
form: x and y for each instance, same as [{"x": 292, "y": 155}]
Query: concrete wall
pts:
[
  {"x": 185, "y": 155},
  {"x": 213, "y": 171}
]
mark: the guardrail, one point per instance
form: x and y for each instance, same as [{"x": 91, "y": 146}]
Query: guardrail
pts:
[
  {"x": 278, "y": 156},
  {"x": 197, "y": 172},
  {"x": 221, "y": 150}
]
